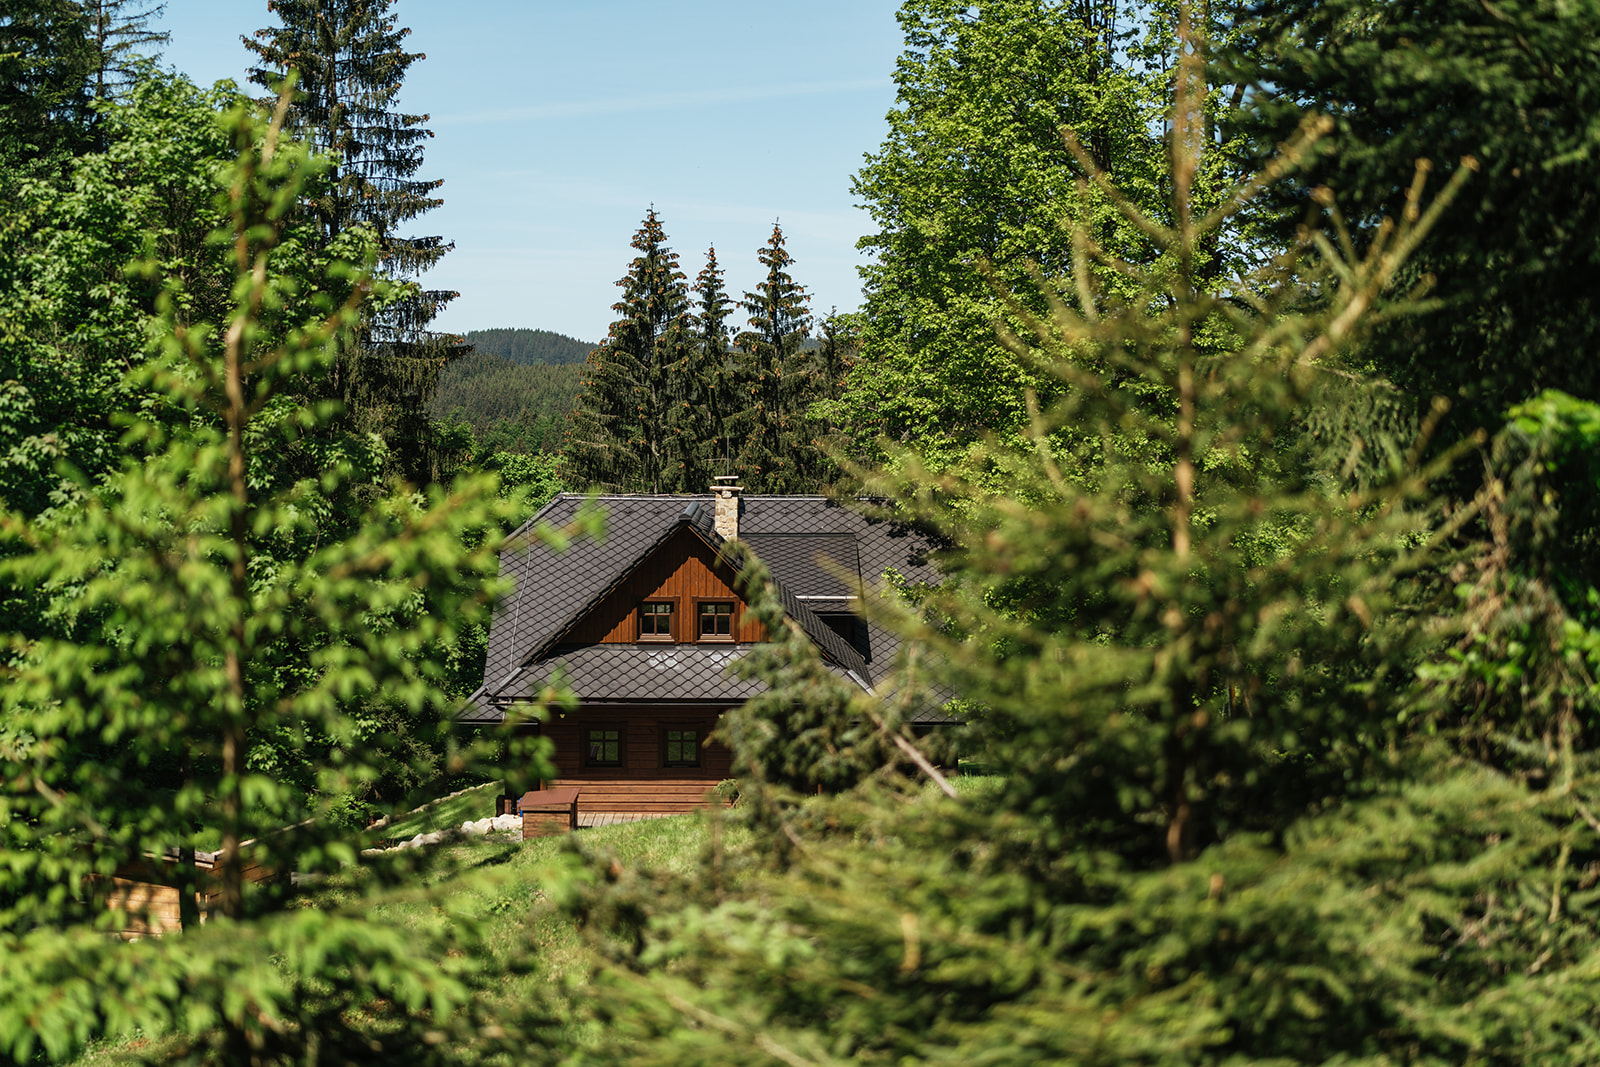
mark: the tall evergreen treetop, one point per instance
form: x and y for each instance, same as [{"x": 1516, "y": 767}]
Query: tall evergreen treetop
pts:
[
  {"x": 713, "y": 368},
  {"x": 46, "y": 60},
  {"x": 779, "y": 319},
  {"x": 775, "y": 454},
  {"x": 350, "y": 64},
  {"x": 620, "y": 437},
  {"x": 121, "y": 34}
]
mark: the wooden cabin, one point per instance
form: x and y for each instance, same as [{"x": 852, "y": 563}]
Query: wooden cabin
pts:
[{"x": 643, "y": 625}]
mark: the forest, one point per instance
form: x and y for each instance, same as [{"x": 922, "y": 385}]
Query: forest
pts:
[
  {"x": 1238, "y": 357},
  {"x": 508, "y": 406}
]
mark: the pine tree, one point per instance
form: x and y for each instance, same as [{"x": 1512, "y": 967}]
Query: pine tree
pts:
[
  {"x": 621, "y": 436},
  {"x": 350, "y": 64},
  {"x": 772, "y": 377}
]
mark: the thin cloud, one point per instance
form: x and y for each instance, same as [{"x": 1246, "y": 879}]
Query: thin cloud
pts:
[{"x": 659, "y": 101}]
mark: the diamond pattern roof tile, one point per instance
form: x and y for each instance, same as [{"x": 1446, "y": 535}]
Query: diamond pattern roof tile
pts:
[
  {"x": 553, "y": 590},
  {"x": 620, "y": 673}
]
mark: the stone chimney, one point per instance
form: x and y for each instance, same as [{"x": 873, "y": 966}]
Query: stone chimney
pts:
[{"x": 727, "y": 494}]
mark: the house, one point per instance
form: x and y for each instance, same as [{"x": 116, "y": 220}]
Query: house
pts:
[{"x": 643, "y": 625}]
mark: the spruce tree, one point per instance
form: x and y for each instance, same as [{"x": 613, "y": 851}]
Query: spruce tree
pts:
[
  {"x": 705, "y": 381},
  {"x": 1230, "y": 825},
  {"x": 350, "y": 65},
  {"x": 621, "y": 437},
  {"x": 121, "y": 33},
  {"x": 46, "y": 64},
  {"x": 182, "y": 593},
  {"x": 773, "y": 380}
]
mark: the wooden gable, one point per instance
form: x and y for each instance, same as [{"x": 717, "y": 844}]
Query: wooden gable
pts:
[{"x": 684, "y": 571}]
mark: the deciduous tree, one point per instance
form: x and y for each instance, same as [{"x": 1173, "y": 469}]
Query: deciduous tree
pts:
[{"x": 975, "y": 188}]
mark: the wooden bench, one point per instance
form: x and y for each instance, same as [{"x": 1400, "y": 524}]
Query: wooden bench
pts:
[{"x": 546, "y": 812}]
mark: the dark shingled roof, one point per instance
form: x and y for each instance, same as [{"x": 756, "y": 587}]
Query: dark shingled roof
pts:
[
  {"x": 806, "y": 542},
  {"x": 615, "y": 673},
  {"x": 811, "y": 564},
  {"x": 601, "y": 674}
]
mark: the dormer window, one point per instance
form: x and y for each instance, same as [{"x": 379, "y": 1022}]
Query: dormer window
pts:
[
  {"x": 655, "y": 620},
  {"x": 716, "y": 620}
]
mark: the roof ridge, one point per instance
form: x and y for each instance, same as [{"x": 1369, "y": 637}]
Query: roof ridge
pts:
[{"x": 621, "y": 575}]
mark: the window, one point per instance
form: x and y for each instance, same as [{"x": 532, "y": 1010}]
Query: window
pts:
[
  {"x": 655, "y": 620},
  {"x": 681, "y": 748},
  {"x": 604, "y": 747},
  {"x": 716, "y": 620}
]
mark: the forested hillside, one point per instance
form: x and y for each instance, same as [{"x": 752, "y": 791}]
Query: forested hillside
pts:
[
  {"x": 509, "y": 406},
  {"x": 529, "y": 346}
]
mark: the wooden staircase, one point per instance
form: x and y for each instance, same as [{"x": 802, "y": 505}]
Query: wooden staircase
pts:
[{"x": 666, "y": 796}]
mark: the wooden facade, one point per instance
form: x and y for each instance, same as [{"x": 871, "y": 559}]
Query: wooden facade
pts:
[
  {"x": 684, "y": 572},
  {"x": 148, "y": 896},
  {"x": 642, "y": 780},
  {"x": 643, "y": 625}
]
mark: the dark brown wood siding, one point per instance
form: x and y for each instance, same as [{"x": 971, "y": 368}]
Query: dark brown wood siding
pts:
[
  {"x": 643, "y": 782},
  {"x": 684, "y": 571}
]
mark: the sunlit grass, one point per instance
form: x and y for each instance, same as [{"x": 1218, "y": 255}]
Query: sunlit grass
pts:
[{"x": 446, "y": 813}]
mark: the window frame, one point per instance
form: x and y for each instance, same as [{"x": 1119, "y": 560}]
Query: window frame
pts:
[
  {"x": 621, "y": 730},
  {"x": 700, "y": 604},
  {"x": 671, "y": 636},
  {"x": 698, "y": 729}
]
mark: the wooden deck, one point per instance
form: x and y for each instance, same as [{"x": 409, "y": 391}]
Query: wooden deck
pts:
[{"x": 587, "y": 819}]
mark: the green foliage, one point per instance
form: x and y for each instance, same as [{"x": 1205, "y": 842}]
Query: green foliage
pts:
[
  {"x": 532, "y": 479},
  {"x": 197, "y": 605},
  {"x": 1514, "y": 85},
  {"x": 1002, "y": 111},
  {"x": 73, "y": 319}
]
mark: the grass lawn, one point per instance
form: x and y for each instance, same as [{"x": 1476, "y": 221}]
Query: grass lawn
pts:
[{"x": 500, "y": 885}]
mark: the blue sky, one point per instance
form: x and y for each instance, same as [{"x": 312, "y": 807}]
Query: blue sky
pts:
[{"x": 558, "y": 124}]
